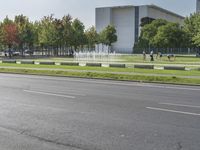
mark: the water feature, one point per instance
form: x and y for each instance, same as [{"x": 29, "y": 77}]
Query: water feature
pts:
[{"x": 96, "y": 56}]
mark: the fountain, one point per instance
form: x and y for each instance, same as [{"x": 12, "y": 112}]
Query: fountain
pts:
[{"x": 98, "y": 55}]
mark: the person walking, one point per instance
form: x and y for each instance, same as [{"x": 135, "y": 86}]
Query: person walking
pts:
[
  {"x": 151, "y": 55},
  {"x": 144, "y": 56}
]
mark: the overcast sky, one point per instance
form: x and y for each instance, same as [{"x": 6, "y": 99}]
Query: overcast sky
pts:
[{"x": 83, "y": 9}]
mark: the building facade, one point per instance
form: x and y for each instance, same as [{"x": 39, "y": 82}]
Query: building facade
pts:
[
  {"x": 198, "y": 6},
  {"x": 127, "y": 20}
]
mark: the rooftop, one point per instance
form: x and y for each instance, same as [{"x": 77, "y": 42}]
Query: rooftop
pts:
[{"x": 150, "y": 6}]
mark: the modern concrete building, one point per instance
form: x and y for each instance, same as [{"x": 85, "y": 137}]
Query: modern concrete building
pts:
[
  {"x": 127, "y": 20},
  {"x": 198, "y": 6}
]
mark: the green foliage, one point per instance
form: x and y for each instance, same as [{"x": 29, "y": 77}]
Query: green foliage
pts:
[
  {"x": 170, "y": 35},
  {"x": 91, "y": 36},
  {"x": 108, "y": 35},
  {"x": 148, "y": 32},
  {"x": 78, "y": 36},
  {"x": 192, "y": 29},
  {"x": 163, "y": 34}
]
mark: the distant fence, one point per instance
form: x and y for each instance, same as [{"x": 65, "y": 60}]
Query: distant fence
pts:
[{"x": 168, "y": 50}]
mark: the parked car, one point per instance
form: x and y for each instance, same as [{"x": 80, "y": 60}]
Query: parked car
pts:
[
  {"x": 11, "y": 53},
  {"x": 15, "y": 53},
  {"x": 29, "y": 52}
]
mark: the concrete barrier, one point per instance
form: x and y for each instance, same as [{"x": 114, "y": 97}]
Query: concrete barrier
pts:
[
  {"x": 93, "y": 64},
  {"x": 174, "y": 68},
  {"x": 144, "y": 66},
  {"x": 47, "y": 63},
  {"x": 69, "y": 64},
  {"x": 117, "y": 65},
  {"x": 9, "y": 61},
  {"x": 27, "y": 62}
]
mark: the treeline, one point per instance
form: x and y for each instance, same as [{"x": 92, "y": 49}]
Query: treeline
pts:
[
  {"x": 163, "y": 34},
  {"x": 52, "y": 36}
]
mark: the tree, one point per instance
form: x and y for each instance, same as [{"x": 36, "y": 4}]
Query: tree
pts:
[
  {"x": 170, "y": 35},
  {"x": 25, "y": 32},
  {"x": 67, "y": 31},
  {"x": 92, "y": 37},
  {"x": 9, "y": 33},
  {"x": 108, "y": 35},
  {"x": 192, "y": 28},
  {"x": 148, "y": 32},
  {"x": 78, "y": 36},
  {"x": 47, "y": 33}
]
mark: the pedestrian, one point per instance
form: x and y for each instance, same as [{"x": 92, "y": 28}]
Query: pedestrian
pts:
[
  {"x": 151, "y": 55},
  {"x": 161, "y": 55},
  {"x": 169, "y": 56},
  {"x": 144, "y": 56}
]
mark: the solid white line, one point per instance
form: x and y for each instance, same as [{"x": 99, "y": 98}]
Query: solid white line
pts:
[
  {"x": 173, "y": 111},
  {"x": 51, "y": 94},
  {"x": 181, "y": 105}
]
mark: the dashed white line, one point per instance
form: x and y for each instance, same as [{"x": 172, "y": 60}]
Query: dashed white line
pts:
[
  {"x": 50, "y": 94},
  {"x": 181, "y": 105},
  {"x": 173, "y": 111}
]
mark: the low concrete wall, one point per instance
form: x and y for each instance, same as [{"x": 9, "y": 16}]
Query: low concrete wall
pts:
[
  {"x": 9, "y": 61},
  {"x": 93, "y": 64},
  {"x": 27, "y": 62},
  {"x": 69, "y": 64},
  {"x": 47, "y": 63},
  {"x": 117, "y": 65},
  {"x": 174, "y": 68},
  {"x": 144, "y": 66}
]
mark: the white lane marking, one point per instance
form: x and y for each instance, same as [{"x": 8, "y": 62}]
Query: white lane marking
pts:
[
  {"x": 51, "y": 94},
  {"x": 181, "y": 105},
  {"x": 173, "y": 111},
  {"x": 136, "y": 84},
  {"x": 71, "y": 92}
]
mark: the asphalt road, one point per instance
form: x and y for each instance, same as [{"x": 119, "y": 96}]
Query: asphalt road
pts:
[{"x": 55, "y": 113}]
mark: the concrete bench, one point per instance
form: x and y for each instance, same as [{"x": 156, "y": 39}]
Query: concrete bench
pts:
[
  {"x": 47, "y": 63},
  {"x": 9, "y": 61},
  {"x": 69, "y": 64},
  {"x": 117, "y": 65},
  {"x": 27, "y": 62},
  {"x": 144, "y": 66},
  {"x": 174, "y": 68},
  {"x": 93, "y": 64}
]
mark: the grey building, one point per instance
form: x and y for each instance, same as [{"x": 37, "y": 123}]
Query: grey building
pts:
[
  {"x": 127, "y": 20},
  {"x": 198, "y": 6}
]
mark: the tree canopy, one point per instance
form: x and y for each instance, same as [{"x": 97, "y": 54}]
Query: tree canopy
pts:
[{"x": 51, "y": 35}]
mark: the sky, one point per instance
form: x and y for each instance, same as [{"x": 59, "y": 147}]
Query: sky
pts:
[{"x": 83, "y": 9}]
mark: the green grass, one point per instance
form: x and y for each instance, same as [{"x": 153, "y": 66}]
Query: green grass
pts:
[
  {"x": 107, "y": 69},
  {"x": 145, "y": 75},
  {"x": 141, "y": 78},
  {"x": 179, "y": 59}
]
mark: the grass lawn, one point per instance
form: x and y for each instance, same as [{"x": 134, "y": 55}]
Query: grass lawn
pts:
[
  {"x": 107, "y": 69},
  {"x": 141, "y": 78},
  {"x": 179, "y": 59},
  {"x": 163, "y": 76}
]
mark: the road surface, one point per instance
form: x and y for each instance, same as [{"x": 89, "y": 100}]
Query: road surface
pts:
[{"x": 55, "y": 113}]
